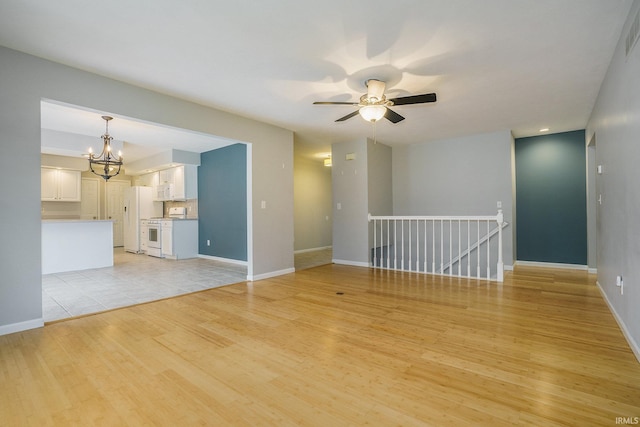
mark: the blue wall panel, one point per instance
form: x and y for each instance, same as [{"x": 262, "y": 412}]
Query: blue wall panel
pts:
[
  {"x": 222, "y": 202},
  {"x": 551, "y": 198}
]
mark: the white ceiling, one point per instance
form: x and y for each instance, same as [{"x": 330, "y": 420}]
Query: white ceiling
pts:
[
  {"x": 495, "y": 64},
  {"x": 136, "y": 138}
]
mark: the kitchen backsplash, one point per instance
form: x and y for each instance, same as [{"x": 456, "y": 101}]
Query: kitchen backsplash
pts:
[{"x": 191, "y": 205}]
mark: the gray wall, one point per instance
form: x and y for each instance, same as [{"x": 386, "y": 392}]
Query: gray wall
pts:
[
  {"x": 615, "y": 122},
  {"x": 312, "y": 203},
  {"x": 552, "y": 198},
  {"x": 379, "y": 173},
  {"x": 350, "y": 183},
  {"x": 459, "y": 176},
  {"x": 25, "y": 80},
  {"x": 361, "y": 186},
  {"x": 222, "y": 202}
]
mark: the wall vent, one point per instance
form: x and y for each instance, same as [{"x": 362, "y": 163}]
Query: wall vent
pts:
[{"x": 632, "y": 37}]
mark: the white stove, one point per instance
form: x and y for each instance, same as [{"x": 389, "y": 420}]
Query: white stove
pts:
[
  {"x": 154, "y": 237},
  {"x": 159, "y": 230}
]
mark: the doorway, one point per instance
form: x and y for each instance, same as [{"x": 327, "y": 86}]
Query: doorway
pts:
[
  {"x": 114, "y": 195},
  {"x": 90, "y": 200}
]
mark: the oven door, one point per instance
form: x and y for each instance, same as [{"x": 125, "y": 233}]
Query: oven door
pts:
[{"x": 154, "y": 237}]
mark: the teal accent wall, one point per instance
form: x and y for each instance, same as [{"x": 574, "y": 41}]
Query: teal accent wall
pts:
[
  {"x": 551, "y": 198},
  {"x": 222, "y": 202}
]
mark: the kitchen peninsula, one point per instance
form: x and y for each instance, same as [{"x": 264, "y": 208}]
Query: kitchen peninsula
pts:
[{"x": 70, "y": 244}]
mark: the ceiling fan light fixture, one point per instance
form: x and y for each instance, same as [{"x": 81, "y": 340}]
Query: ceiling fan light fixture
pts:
[{"x": 372, "y": 113}]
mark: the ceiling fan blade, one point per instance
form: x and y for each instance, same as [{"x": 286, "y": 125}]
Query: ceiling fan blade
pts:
[
  {"x": 348, "y": 116},
  {"x": 392, "y": 116},
  {"x": 334, "y": 103},
  {"x": 414, "y": 99}
]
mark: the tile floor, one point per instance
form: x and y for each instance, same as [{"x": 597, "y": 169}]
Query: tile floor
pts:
[{"x": 136, "y": 279}]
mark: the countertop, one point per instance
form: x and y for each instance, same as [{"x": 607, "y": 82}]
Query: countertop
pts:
[
  {"x": 76, "y": 220},
  {"x": 170, "y": 219}
]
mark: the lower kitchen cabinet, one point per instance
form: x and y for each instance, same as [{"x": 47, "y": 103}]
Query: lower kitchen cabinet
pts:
[
  {"x": 144, "y": 235},
  {"x": 179, "y": 238}
]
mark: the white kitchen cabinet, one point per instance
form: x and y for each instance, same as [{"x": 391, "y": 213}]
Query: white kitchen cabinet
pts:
[
  {"x": 167, "y": 238},
  {"x": 144, "y": 235},
  {"x": 186, "y": 182},
  {"x": 49, "y": 184},
  {"x": 166, "y": 176},
  {"x": 177, "y": 183},
  {"x": 180, "y": 238},
  {"x": 60, "y": 185}
]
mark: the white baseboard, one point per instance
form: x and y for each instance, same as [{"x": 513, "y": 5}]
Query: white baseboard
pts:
[
  {"x": 229, "y": 260},
  {"x": 508, "y": 267},
  {"x": 262, "y": 276},
  {"x": 21, "y": 326},
  {"x": 550, "y": 265},
  {"x": 352, "y": 263},
  {"x": 321, "y": 248},
  {"x": 592, "y": 270},
  {"x": 632, "y": 343}
]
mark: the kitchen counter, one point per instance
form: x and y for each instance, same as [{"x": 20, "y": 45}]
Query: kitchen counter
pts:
[
  {"x": 76, "y": 220},
  {"x": 75, "y": 244}
]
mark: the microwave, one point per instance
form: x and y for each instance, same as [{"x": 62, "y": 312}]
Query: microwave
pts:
[{"x": 165, "y": 192}]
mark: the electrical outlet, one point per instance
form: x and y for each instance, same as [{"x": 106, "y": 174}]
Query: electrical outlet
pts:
[{"x": 208, "y": 242}]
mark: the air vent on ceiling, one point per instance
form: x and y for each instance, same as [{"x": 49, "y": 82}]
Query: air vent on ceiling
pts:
[{"x": 634, "y": 31}]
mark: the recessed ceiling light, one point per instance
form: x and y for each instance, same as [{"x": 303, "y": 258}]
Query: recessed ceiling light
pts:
[{"x": 544, "y": 130}]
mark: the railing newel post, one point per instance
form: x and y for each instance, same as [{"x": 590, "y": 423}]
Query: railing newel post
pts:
[{"x": 500, "y": 220}]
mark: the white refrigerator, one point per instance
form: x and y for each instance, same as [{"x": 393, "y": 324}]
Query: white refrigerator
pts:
[{"x": 138, "y": 205}]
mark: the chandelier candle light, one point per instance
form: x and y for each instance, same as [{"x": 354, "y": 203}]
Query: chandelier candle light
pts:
[{"x": 107, "y": 165}]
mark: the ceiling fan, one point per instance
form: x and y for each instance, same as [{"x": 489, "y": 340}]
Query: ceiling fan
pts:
[{"x": 374, "y": 105}]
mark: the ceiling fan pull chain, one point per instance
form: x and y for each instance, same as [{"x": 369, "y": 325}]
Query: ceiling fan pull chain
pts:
[{"x": 374, "y": 132}]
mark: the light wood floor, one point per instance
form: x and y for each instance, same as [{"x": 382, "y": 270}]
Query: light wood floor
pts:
[{"x": 393, "y": 349}]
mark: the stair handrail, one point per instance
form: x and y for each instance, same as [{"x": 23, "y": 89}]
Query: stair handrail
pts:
[{"x": 498, "y": 218}]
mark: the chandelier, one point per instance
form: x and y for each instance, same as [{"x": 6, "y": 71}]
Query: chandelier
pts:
[{"x": 105, "y": 164}]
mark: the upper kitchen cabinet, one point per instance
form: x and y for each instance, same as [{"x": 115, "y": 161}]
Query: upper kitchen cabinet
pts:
[
  {"x": 60, "y": 185},
  {"x": 178, "y": 183}
]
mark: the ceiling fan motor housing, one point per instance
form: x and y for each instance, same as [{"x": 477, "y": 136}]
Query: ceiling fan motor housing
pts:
[{"x": 375, "y": 90}]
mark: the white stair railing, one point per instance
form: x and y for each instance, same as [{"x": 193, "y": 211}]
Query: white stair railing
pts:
[{"x": 462, "y": 246}]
